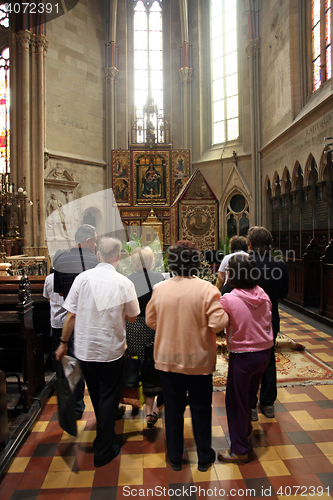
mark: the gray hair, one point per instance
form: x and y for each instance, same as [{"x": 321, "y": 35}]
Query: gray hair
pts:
[
  {"x": 142, "y": 257},
  {"x": 109, "y": 249},
  {"x": 85, "y": 232}
]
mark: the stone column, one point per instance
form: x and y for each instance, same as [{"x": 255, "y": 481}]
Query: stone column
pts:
[
  {"x": 34, "y": 140},
  {"x": 41, "y": 45},
  {"x": 253, "y": 51},
  {"x": 14, "y": 110},
  {"x": 23, "y": 39},
  {"x": 186, "y": 76},
  {"x": 111, "y": 75}
]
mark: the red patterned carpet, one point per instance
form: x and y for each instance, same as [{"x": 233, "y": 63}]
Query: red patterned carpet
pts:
[{"x": 294, "y": 367}]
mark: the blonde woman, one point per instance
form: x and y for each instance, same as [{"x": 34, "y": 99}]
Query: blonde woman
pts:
[{"x": 138, "y": 334}]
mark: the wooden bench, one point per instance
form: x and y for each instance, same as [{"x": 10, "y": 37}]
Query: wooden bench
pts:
[
  {"x": 9, "y": 286},
  {"x": 21, "y": 347},
  {"x": 326, "y": 304},
  {"x": 304, "y": 277}
]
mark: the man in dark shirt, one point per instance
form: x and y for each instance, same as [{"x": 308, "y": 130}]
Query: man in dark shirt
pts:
[
  {"x": 66, "y": 268},
  {"x": 274, "y": 280},
  {"x": 78, "y": 259}
]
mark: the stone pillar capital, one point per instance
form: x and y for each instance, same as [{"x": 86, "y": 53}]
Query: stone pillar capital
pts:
[
  {"x": 23, "y": 38},
  {"x": 41, "y": 43},
  {"x": 111, "y": 74},
  {"x": 253, "y": 47},
  {"x": 185, "y": 74}
]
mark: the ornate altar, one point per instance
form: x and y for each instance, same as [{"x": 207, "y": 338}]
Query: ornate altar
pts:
[
  {"x": 146, "y": 174},
  {"x": 194, "y": 214}
]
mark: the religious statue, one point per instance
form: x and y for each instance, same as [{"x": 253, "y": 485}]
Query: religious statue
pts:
[
  {"x": 58, "y": 171},
  {"x": 150, "y": 138},
  {"x": 53, "y": 204},
  {"x": 55, "y": 222},
  {"x": 151, "y": 181}
]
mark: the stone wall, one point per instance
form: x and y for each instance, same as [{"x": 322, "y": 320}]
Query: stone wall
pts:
[
  {"x": 275, "y": 68},
  {"x": 75, "y": 82}
]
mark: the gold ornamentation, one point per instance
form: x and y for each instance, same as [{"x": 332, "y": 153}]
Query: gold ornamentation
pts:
[
  {"x": 121, "y": 177},
  {"x": 198, "y": 224},
  {"x": 167, "y": 232}
]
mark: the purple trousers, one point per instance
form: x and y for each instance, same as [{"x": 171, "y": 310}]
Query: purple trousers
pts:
[{"x": 244, "y": 375}]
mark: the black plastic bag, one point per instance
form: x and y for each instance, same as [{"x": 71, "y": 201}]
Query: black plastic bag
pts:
[
  {"x": 66, "y": 408},
  {"x": 149, "y": 374},
  {"x": 131, "y": 372}
]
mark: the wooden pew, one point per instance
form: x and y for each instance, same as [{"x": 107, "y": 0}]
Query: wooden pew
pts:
[
  {"x": 9, "y": 286},
  {"x": 326, "y": 303},
  {"x": 304, "y": 277},
  {"x": 21, "y": 348}
]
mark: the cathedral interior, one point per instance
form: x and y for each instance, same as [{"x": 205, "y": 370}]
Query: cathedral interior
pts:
[{"x": 199, "y": 118}]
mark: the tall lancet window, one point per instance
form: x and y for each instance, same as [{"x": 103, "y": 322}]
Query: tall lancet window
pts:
[
  {"x": 148, "y": 70},
  {"x": 224, "y": 65},
  {"x": 321, "y": 42},
  {"x": 4, "y": 112}
]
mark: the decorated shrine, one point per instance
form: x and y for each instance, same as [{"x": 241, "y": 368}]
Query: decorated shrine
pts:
[
  {"x": 148, "y": 175},
  {"x": 194, "y": 214}
]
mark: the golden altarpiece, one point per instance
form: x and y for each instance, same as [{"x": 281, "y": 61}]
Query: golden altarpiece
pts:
[{"x": 146, "y": 175}]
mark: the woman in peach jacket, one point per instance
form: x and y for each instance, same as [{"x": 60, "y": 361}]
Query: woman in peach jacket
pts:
[{"x": 186, "y": 313}]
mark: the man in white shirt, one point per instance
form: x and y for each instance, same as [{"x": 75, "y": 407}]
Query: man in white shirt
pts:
[
  {"x": 98, "y": 302},
  {"x": 57, "y": 312},
  {"x": 238, "y": 244}
]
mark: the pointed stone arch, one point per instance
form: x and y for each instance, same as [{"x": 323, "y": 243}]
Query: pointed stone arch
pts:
[
  {"x": 310, "y": 164},
  {"x": 323, "y": 164},
  {"x": 276, "y": 186},
  {"x": 267, "y": 184},
  {"x": 297, "y": 172},
  {"x": 285, "y": 179}
]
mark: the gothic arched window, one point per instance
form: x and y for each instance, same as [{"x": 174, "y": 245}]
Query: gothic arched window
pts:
[
  {"x": 4, "y": 112},
  {"x": 237, "y": 215},
  {"x": 321, "y": 42},
  {"x": 148, "y": 65},
  {"x": 224, "y": 66},
  {"x": 4, "y": 15}
]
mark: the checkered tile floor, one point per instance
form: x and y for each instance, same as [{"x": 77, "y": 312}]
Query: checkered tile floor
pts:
[{"x": 292, "y": 454}]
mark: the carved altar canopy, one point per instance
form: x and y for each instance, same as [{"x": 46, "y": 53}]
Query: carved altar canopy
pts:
[{"x": 194, "y": 214}]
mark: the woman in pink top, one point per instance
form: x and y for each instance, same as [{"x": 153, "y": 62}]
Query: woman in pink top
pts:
[
  {"x": 249, "y": 341},
  {"x": 186, "y": 314}
]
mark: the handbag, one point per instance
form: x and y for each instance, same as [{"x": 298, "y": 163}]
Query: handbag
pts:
[
  {"x": 149, "y": 374},
  {"x": 131, "y": 371},
  {"x": 66, "y": 408}
]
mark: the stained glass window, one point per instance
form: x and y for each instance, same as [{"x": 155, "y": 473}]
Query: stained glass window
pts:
[
  {"x": 4, "y": 112},
  {"x": 328, "y": 39},
  {"x": 224, "y": 70},
  {"x": 148, "y": 62},
  {"x": 4, "y": 15},
  {"x": 321, "y": 42}
]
